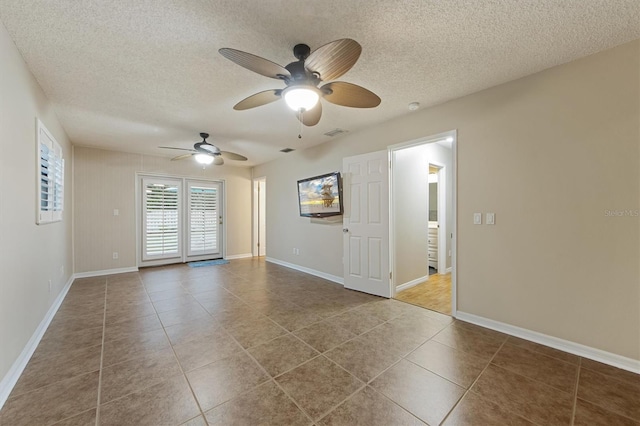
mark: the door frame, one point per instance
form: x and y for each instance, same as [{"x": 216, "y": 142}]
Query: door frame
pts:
[
  {"x": 454, "y": 214},
  {"x": 138, "y": 216},
  {"x": 257, "y": 214}
]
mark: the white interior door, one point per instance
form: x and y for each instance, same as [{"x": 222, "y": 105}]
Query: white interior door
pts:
[{"x": 366, "y": 223}]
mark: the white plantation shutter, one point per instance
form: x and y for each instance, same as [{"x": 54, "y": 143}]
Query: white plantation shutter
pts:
[
  {"x": 50, "y": 177},
  {"x": 204, "y": 218},
  {"x": 161, "y": 218}
]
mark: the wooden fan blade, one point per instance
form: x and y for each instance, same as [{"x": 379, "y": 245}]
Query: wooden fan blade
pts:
[
  {"x": 350, "y": 95},
  {"x": 233, "y": 156},
  {"x": 311, "y": 117},
  {"x": 180, "y": 157},
  {"x": 179, "y": 149},
  {"x": 334, "y": 59},
  {"x": 255, "y": 63},
  {"x": 259, "y": 99}
]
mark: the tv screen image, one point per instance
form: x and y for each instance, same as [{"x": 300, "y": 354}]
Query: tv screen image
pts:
[{"x": 320, "y": 196}]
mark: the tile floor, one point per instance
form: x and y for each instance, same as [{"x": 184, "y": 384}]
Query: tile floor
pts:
[{"x": 255, "y": 343}]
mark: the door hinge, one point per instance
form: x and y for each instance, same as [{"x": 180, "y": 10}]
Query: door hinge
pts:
[{"x": 390, "y": 274}]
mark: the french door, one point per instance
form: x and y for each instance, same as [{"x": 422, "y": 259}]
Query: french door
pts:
[{"x": 181, "y": 220}]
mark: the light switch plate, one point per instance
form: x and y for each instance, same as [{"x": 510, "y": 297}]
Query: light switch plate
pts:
[
  {"x": 477, "y": 218},
  {"x": 491, "y": 218}
]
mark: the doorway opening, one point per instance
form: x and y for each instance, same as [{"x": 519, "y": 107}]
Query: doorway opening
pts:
[
  {"x": 422, "y": 207},
  {"x": 259, "y": 217}
]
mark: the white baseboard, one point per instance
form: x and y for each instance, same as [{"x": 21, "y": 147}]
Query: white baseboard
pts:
[
  {"x": 12, "y": 376},
  {"x": 310, "y": 271},
  {"x": 105, "y": 272},
  {"x": 599, "y": 355},
  {"x": 448, "y": 270},
  {"x": 412, "y": 283},
  {"x": 238, "y": 256}
]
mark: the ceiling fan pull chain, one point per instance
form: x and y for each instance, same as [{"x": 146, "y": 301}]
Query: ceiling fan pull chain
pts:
[{"x": 301, "y": 111}]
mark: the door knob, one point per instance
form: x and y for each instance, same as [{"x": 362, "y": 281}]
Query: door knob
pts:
[{"x": 345, "y": 230}]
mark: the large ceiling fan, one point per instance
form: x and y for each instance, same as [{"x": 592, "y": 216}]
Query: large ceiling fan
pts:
[
  {"x": 206, "y": 153},
  {"x": 303, "y": 76}
]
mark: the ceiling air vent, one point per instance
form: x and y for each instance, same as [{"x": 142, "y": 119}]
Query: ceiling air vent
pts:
[
  {"x": 335, "y": 132},
  {"x": 287, "y": 150}
]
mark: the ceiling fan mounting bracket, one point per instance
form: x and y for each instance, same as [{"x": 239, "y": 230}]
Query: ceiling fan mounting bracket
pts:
[{"x": 301, "y": 51}]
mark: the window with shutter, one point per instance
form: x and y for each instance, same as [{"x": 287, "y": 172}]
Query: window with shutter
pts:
[{"x": 50, "y": 177}]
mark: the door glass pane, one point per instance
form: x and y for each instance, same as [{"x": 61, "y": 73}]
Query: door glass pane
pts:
[
  {"x": 204, "y": 217},
  {"x": 162, "y": 220}
]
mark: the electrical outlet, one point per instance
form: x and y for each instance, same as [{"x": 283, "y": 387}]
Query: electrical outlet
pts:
[
  {"x": 294, "y": 250},
  {"x": 115, "y": 255},
  {"x": 477, "y": 218},
  {"x": 116, "y": 212}
]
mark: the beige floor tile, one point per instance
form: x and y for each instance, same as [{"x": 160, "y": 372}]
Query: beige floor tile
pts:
[
  {"x": 183, "y": 314},
  {"x": 52, "y": 403},
  {"x": 167, "y": 403},
  {"x": 472, "y": 410},
  {"x": 528, "y": 398},
  {"x": 116, "y": 351},
  {"x": 456, "y": 366},
  {"x": 70, "y": 340},
  {"x": 361, "y": 359},
  {"x": 130, "y": 376},
  {"x": 355, "y": 321},
  {"x": 469, "y": 341},
  {"x": 424, "y": 394},
  {"x": 265, "y": 405},
  {"x": 294, "y": 319},
  {"x": 537, "y": 366},
  {"x": 324, "y": 335},
  {"x": 172, "y": 293},
  {"x": 545, "y": 350},
  {"x": 253, "y": 333},
  {"x": 220, "y": 381},
  {"x": 196, "y": 421},
  {"x": 282, "y": 354},
  {"x": 46, "y": 368},
  {"x": 192, "y": 330},
  {"x": 318, "y": 386},
  {"x": 588, "y": 414},
  {"x": 385, "y": 309},
  {"x": 87, "y": 418},
  {"x": 610, "y": 393},
  {"x": 132, "y": 328},
  {"x": 199, "y": 352},
  {"x": 369, "y": 408},
  {"x": 176, "y": 303},
  {"x": 613, "y": 372}
]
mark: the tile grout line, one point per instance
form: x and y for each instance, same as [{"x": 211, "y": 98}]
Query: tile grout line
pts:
[
  {"x": 575, "y": 393},
  {"x": 175, "y": 356},
  {"x": 474, "y": 382},
  {"x": 104, "y": 330},
  {"x": 246, "y": 351}
]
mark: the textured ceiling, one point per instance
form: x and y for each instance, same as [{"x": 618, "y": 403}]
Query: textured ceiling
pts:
[{"x": 134, "y": 75}]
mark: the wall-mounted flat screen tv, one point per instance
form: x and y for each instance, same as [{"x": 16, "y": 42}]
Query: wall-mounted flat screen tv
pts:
[{"x": 320, "y": 196}]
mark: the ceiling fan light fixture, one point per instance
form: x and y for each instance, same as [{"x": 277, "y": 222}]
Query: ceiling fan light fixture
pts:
[
  {"x": 205, "y": 159},
  {"x": 301, "y": 97},
  {"x": 218, "y": 160}
]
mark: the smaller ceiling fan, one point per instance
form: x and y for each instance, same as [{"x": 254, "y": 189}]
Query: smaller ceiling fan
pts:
[
  {"x": 206, "y": 153},
  {"x": 303, "y": 76}
]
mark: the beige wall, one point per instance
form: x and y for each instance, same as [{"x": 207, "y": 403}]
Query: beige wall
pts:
[
  {"x": 548, "y": 154},
  {"x": 105, "y": 180},
  {"x": 30, "y": 254}
]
